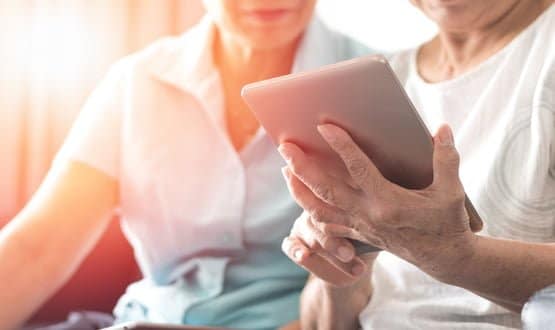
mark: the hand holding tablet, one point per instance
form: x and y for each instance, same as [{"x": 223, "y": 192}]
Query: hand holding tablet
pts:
[{"x": 363, "y": 97}]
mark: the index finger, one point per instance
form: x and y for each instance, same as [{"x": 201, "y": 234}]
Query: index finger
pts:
[
  {"x": 363, "y": 171},
  {"x": 323, "y": 266}
]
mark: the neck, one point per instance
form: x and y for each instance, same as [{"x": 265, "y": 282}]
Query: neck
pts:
[
  {"x": 243, "y": 64},
  {"x": 452, "y": 53}
]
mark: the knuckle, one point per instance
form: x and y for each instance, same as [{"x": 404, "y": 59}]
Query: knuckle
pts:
[
  {"x": 345, "y": 145},
  {"x": 312, "y": 237},
  {"x": 383, "y": 213},
  {"x": 358, "y": 169},
  {"x": 460, "y": 195},
  {"x": 325, "y": 191},
  {"x": 312, "y": 242},
  {"x": 319, "y": 215},
  {"x": 377, "y": 213},
  {"x": 356, "y": 210},
  {"x": 331, "y": 230},
  {"x": 317, "y": 224},
  {"x": 452, "y": 157},
  {"x": 457, "y": 196}
]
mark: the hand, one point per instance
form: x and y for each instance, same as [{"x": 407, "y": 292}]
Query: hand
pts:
[
  {"x": 305, "y": 247},
  {"x": 429, "y": 227}
]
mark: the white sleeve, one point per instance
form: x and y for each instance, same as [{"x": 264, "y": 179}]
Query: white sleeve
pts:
[{"x": 96, "y": 134}]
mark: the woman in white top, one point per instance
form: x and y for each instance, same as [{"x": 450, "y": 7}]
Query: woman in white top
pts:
[
  {"x": 166, "y": 139},
  {"x": 490, "y": 75}
]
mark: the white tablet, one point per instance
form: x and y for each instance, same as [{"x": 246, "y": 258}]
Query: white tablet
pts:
[{"x": 362, "y": 96}]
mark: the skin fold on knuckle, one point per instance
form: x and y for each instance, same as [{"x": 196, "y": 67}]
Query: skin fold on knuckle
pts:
[
  {"x": 319, "y": 225},
  {"x": 325, "y": 191},
  {"x": 378, "y": 213},
  {"x": 319, "y": 215},
  {"x": 318, "y": 236},
  {"x": 335, "y": 230},
  {"x": 358, "y": 168},
  {"x": 343, "y": 145},
  {"x": 376, "y": 227}
]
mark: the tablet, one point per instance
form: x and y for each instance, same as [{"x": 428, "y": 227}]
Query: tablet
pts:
[
  {"x": 364, "y": 97},
  {"x": 157, "y": 326}
]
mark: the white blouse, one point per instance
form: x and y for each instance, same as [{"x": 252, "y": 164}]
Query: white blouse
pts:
[
  {"x": 503, "y": 116},
  {"x": 205, "y": 221}
]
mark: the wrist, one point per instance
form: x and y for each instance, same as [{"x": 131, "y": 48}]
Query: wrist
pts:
[
  {"x": 343, "y": 305},
  {"x": 457, "y": 259},
  {"x": 324, "y": 306}
]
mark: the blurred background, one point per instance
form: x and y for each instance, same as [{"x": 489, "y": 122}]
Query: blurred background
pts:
[{"x": 53, "y": 52}]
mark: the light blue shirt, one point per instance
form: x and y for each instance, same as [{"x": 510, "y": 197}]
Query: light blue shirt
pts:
[{"x": 205, "y": 221}]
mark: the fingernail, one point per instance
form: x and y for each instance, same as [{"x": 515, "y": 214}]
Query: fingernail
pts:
[
  {"x": 285, "y": 152},
  {"x": 357, "y": 270},
  {"x": 446, "y": 136},
  {"x": 325, "y": 131},
  {"x": 344, "y": 253},
  {"x": 298, "y": 255}
]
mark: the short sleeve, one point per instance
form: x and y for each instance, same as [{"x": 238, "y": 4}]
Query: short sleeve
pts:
[{"x": 95, "y": 136}]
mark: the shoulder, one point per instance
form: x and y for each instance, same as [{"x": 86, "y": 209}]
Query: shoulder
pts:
[
  {"x": 158, "y": 54},
  {"x": 163, "y": 53}
]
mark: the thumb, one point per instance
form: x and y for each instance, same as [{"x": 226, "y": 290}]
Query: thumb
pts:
[{"x": 446, "y": 160}]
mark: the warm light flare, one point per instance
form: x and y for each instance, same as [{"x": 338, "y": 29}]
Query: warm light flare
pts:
[
  {"x": 51, "y": 45},
  {"x": 58, "y": 46}
]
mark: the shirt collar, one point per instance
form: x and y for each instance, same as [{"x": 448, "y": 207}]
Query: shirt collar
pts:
[{"x": 189, "y": 64}]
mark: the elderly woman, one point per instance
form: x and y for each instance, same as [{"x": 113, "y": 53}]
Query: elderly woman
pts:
[
  {"x": 167, "y": 140},
  {"x": 489, "y": 74}
]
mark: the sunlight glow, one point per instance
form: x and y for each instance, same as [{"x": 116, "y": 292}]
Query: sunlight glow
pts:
[
  {"x": 58, "y": 47},
  {"x": 48, "y": 45}
]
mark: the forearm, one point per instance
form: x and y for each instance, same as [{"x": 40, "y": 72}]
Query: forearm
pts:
[
  {"x": 42, "y": 247},
  {"x": 504, "y": 271},
  {"x": 26, "y": 278},
  {"x": 324, "y": 307},
  {"x": 35, "y": 262}
]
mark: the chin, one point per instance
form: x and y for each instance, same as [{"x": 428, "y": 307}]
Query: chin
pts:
[{"x": 268, "y": 41}]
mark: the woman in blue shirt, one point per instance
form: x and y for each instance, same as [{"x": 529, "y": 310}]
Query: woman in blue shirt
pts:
[{"x": 167, "y": 141}]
